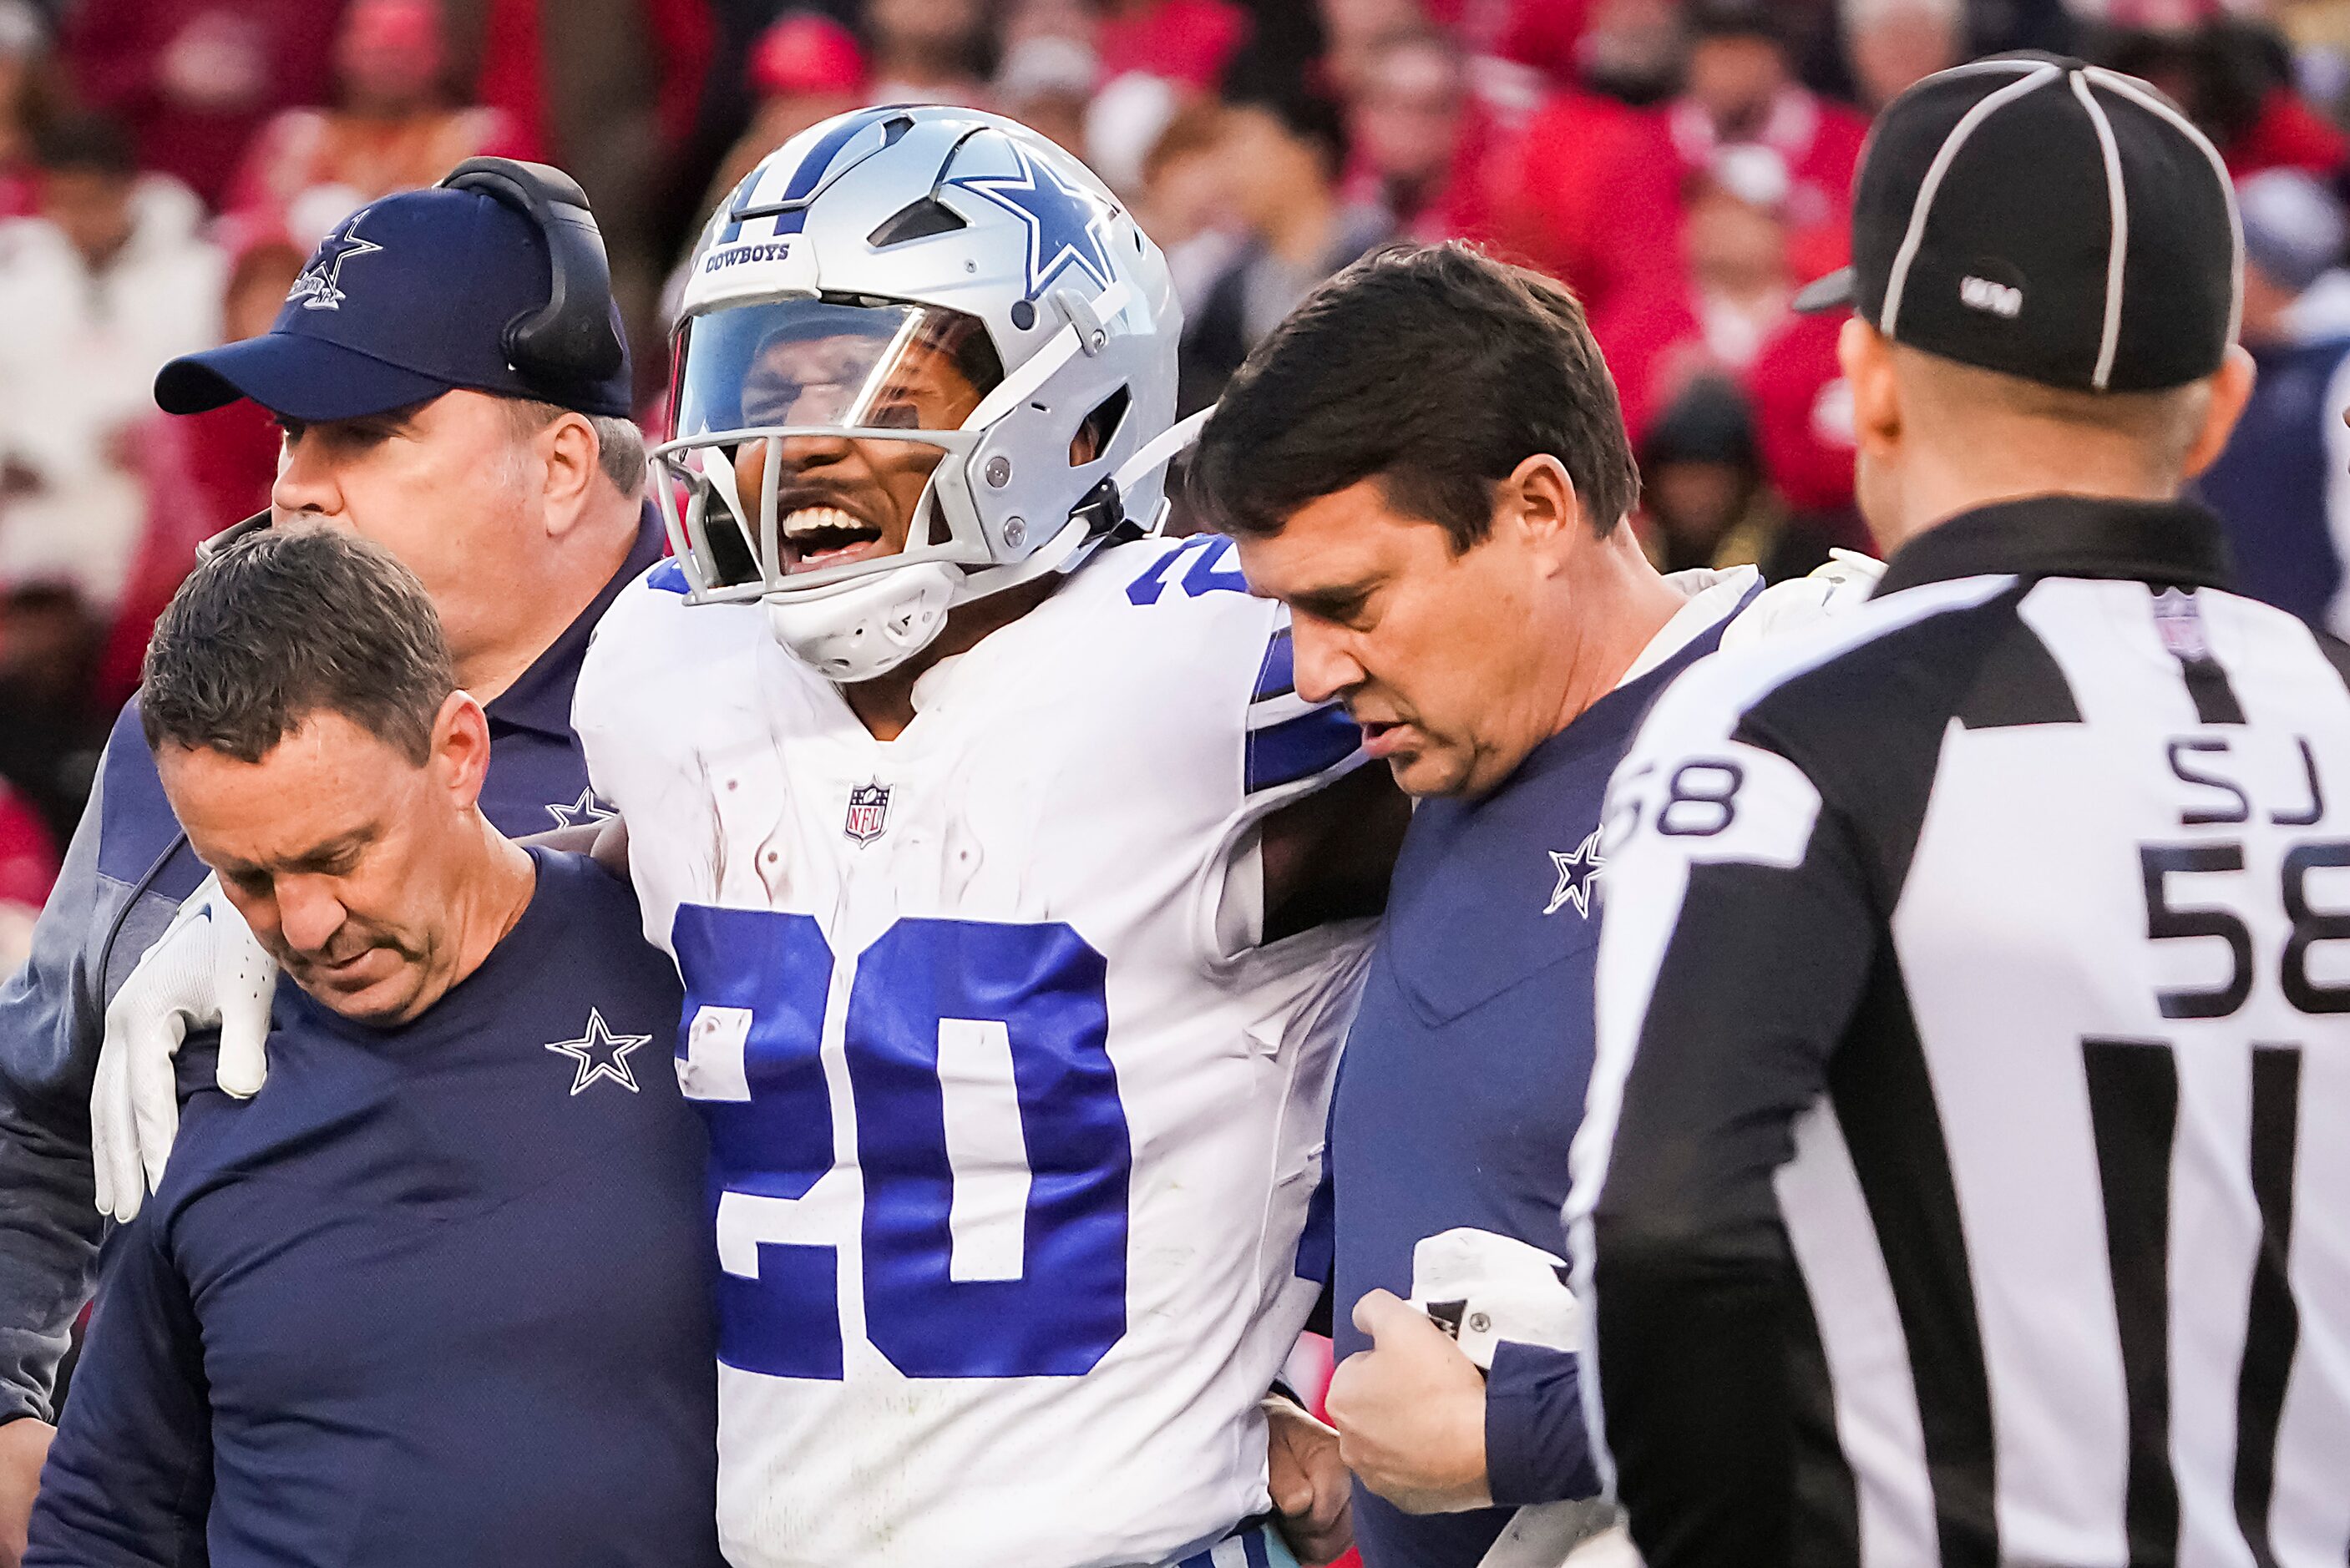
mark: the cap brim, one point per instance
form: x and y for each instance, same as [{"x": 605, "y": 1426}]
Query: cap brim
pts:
[
  {"x": 304, "y": 378},
  {"x": 1833, "y": 292}
]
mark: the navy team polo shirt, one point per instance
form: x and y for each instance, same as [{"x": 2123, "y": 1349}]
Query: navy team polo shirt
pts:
[
  {"x": 1463, "y": 1085},
  {"x": 439, "y": 1294}
]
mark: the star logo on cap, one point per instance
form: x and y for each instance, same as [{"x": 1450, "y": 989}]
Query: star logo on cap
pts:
[
  {"x": 1576, "y": 873},
  {"x": 601, "y": 1054},
  {"x": 320, "y": 287},
  {"x": 1062, "y": 220}
]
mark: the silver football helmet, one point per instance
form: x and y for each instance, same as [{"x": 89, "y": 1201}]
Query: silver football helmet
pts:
[{"x": 920, "y": 351}]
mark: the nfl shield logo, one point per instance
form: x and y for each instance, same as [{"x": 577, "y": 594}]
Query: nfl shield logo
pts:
[
  {"x": 869, "y": 812},
  {"x": 2179, "y": 622}
]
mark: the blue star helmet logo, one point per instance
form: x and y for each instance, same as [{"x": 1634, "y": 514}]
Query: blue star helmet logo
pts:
[
  {"x": 320, "y": 287},
  {"x": 1063, "y": 220}
]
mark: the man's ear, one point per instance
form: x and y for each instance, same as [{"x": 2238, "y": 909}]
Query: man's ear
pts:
[
  {"x": 460, "y": 748},
  {"x": 1867, "y": 363},
  {"x": 568, "y": 448},
  {"x": 2231, "y": 388},
  {"x": 1539, "y": 499}
]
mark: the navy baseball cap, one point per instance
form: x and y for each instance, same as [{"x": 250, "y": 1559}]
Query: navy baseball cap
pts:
[{"x": 407, "y": 298}]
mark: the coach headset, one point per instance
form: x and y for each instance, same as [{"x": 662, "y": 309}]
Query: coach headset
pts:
[{"x": 570, "y": 342}]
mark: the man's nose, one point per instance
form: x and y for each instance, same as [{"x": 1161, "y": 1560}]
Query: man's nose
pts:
[
  {"x": 1326, "y": 668},
  {"x": 306, "y": 480},
  {"x": 309, "y": 914},
  {"x": 793, "y": 455}
]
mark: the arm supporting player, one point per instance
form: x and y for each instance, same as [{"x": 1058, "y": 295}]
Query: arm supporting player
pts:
[
  {"x": 1327, "y": 858},
  {"x": 1737, "y": 947}
]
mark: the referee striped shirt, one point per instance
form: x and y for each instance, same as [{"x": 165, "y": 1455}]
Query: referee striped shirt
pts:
[{"x": 1966, "y": 1177}]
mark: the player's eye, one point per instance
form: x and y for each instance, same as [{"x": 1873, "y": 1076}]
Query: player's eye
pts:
[{"x": 897, "y": 416}]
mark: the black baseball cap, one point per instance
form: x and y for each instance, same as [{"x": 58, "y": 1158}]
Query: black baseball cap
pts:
[
  {"x": 2048, "y": 219},
  {"x": 407, "y": 298}
]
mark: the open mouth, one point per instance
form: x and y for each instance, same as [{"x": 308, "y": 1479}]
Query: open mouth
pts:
[{"x": 814, "y": 537}]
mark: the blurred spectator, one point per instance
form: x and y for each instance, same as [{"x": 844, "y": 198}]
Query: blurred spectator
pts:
[
  {"x": 1280, "y": 161},
  {"x": 1416, "y": 136},
  {"x": 1587, "y": 191},
  {"x": 50, "y": 732},
  {"x": 202, "y": 473},
  {"x": 2282, "y": 487},
  {"x": 1741, "y": 280},
  {"x": 1733, "y": 299},
  {"x": 28, "y": 869},
  {"x": 1631, "y": 50},
  {"x": 1046, "y": 82},
  {"x": 31, "y": 95},
  {"x": 929, "y": 51},
  {"x": 1182, "y": 203},
  {"x": 1521, "y": 48},
  {"x": 1124, "y": 121},
  {"x": 1188, "y": 42},
  {"x": 195, "y": 79},
  {"x": 1703, "y": 501},
  {"x": 2235, "y": 79},
  {"x": 1891, "y": 44},
  {"x": 1741, "y": 88},
  {"x": 393, "y": 126},
  {"x": 805, "y": 68},
  {"x": 1355, "y": 31},
  {"x": 109, "y": 281},
  {"x": 1803, "y": 425}
]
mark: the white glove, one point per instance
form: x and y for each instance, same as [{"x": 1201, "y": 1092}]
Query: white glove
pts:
[
  {"x": 207, "y": 971},
  {"x": 1484, "y": 1288},
  {"x": 1847, "y": 579}
]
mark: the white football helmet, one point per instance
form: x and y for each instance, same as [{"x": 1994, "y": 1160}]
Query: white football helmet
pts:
[{"x": 920, "y": 357}]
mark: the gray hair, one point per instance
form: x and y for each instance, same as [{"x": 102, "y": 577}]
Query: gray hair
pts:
[
  {"x": 285, "y": 624},
  {"x": 619, "y": 444}
]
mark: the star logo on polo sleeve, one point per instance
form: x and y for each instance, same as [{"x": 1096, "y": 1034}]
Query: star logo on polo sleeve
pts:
[
  {"x": 320, "y": 287},
  {"x": 601, "y": 1054},
  {"x": 580, "y": 811},
  {"x": 1062, "y": 220},
  {"x": 1576, "y": 874}
]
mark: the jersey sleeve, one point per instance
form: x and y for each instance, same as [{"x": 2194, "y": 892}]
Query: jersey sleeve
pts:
[
  {"x": 1737, "y": 942},
  {"x": 129, "y": 1479},
  {"x": 1292, "y": 746}
]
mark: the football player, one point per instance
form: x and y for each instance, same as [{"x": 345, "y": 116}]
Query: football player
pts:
[{"x": 1018, "y": 900}]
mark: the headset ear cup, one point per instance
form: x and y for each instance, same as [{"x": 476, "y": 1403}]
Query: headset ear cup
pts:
[
  {"x": 572, "y": 340},
  {"x": 571, "y": 336}
]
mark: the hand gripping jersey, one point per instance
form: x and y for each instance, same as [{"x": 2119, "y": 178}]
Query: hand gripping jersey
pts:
[{"x": 1014, "y": 1120}]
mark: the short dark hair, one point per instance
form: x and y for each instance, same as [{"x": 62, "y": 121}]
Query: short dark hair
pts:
[
  {"x": 284, "y": 624},
  {"x": 94, "y": 143},
  {"x": 1436, "y": 370}
]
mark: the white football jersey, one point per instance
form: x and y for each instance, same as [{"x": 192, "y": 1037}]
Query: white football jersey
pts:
[{"x": 1015, "y": 1120}]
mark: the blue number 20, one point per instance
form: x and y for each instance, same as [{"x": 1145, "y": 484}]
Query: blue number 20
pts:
[{"x": 1040, "y": 990}]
